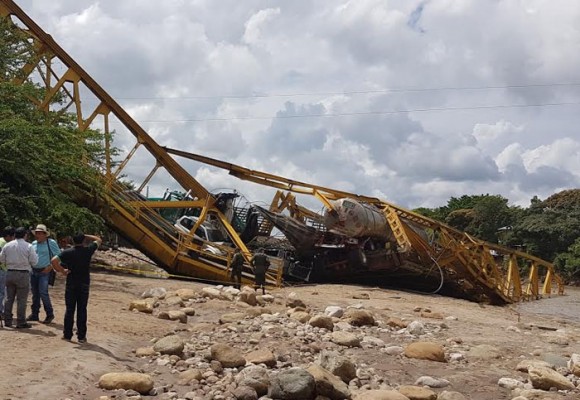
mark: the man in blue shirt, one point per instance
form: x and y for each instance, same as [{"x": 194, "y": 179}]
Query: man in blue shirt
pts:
[{"x": 45, "y": 248}]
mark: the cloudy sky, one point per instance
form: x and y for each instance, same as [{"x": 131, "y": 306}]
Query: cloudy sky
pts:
[{"x": 411, "y": 101}]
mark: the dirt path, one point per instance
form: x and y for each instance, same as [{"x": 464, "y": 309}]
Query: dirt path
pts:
[{"x": 37, "y": 364}]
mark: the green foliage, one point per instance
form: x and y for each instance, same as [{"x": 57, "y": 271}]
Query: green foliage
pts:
[
  {"x": 479, "y": 215},
  {"x": 568, "y": 263},
  {"x": 46, "y": 164},
  {"x": 551, "y": 226}
]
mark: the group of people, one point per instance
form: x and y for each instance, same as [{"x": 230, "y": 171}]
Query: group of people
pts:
[
  {"x": 259, "y": 263},
  {"x": 27, "y": 267}
]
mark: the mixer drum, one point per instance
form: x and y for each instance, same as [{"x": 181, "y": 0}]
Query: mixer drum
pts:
[{"x": 355, "y": 219}]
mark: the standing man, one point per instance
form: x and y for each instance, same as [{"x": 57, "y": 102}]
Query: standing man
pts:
[
  {"x": 19, "y": 257},
  {"x": 77, "y": 260},
  {"x": 45, "y": 248},
  {"x": 237, "y": 264},
  {"x": 260, "y": 264},
  {"x": 7, "y": 236}
]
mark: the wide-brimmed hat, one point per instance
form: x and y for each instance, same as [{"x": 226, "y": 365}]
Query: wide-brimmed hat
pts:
[{"x": 41, "y": 228}]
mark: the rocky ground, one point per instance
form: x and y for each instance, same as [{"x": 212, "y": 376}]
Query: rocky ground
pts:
[{"x": 168, "y": 339}]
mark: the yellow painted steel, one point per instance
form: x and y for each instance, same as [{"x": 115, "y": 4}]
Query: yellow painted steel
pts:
[{"x": 139, "y": 221}]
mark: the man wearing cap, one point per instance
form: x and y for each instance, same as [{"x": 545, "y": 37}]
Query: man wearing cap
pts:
[
  {"x": 19, "y": 256},
  {"x": 45, "y": 248}
]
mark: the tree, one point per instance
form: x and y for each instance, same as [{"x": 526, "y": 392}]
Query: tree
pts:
[
  {"x": 551, "y": 226},
  {"x": 568, "y": 263},
  {"x": 46, "y": 163}
]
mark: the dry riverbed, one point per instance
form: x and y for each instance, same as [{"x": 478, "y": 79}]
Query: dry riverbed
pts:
[{"x": 479, "y": 344}]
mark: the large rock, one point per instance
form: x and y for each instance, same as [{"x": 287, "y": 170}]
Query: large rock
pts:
[
  {"x": 245, "y": 393},
  {"x": 322, "y": 321},
  {"x": 449, "y": 395},
  {"x": 261, "y": 356},
  {"x": 189, "y": 375},
  {"x": 158, "y": 292},
  {"x": 255, "y": 377},
  {"x": 141, "y": 383},
  {"x": 212, "y": 293},
  {"x": 546, "y": 378},
  {"x": 574, "y": 364},
  {"x": 228, "y": 356},
  {"x": 345, "y": 339},
  {"x": 524, "y": 365},
  {"x": 425, "y": 351},
  {"x": 174, "y": 301},
  {"x": 145, "y": 351},
  {"x": 231, "y": 317},
  {"x": 328, "y": 385},
  {"x": 338, "y": 365},
  {"x": 177, "y": 315},
  {"x": 380, "y": 395},
  {"x": 143, "y": 305},
  {"x": 248, "y": 297},
  {"x": 186, "y": 294},
  {"x": 485, "y": 352},
  {"x": 417, "y": 392},
  {"x": 292, "y": 384},
  {"x": 359, "y": 317},
  {"x": 432, "y": 382},
  {"x": 172, "y": 344},
  {"x": 334, "y": 311},
  {"x": 293, "y": 301},
  {"x": 300, "y": 316}
]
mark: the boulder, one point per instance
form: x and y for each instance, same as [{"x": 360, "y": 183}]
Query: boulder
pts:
[
  {"x": 141, "y": 383},
  {"x": 300, "y": 316},
  {"x": 157, "y": 292},
  {"x": 227, "y": 355},
  {"x": 328, "y": 385},
  {"x": 177, "y": 315},
  {"x": 546, "y": 378},
  {"x": 334, "y": 311},
  {"x": 345, "y": 339},
  {"x": 322, "y": 321},
  {"x": 143, "y": 305},
  {"x": 292, "y": 384},
  {"x": 186, "y": 377},
  {"x": 417, "y": 392},
  {"x": 338, "y": 365},
  {"x": 231, "y": 317},
  {"x": 255, "y": 377},
  {"x": 425, "y": 351},
  {"x": 262, "y": 356},
  {"x": 359, "y": 317},
  {"x": 245, "y": 393},
  {"x": 248, "y": 297},
  {"x": 171, "y": 344},
  {"x": 380, "y": 395},
  {"x": 574, "y": 364}
]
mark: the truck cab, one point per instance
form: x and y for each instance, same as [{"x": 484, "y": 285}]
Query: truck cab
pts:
[{"x": 206, "y": 232}]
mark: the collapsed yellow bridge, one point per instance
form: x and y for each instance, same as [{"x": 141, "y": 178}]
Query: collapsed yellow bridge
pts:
[{"x": 421, "y": 249}]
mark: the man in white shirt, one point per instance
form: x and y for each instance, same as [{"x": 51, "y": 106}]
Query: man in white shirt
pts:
[
  {"x": 7, "y": 236},
  {"x": 19, "y": 257}
]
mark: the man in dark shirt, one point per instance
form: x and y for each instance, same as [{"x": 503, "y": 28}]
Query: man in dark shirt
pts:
[
  {"x": 260, "y": 264},
  {"x": 237, "y": 265},
  {"x": 77, "y": 261}
]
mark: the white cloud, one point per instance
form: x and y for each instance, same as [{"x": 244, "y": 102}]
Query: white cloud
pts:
[{"x": 198, "y": 66}]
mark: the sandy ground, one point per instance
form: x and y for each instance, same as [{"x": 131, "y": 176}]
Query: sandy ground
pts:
[{"x": 37, "y": 364}]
